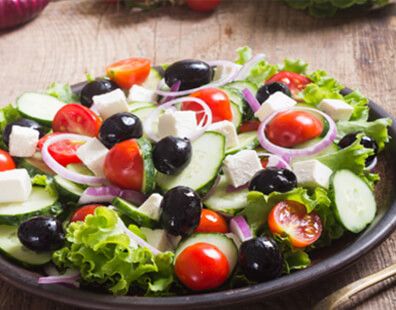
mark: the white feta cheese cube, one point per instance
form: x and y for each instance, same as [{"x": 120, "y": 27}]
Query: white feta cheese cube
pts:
[
  {"x": 277, "y": 101},
  {"x": 93, "y": 154},
  {"x": 312, "y": 173},
  {"x": 158, "y": 238},
  {"x": 139, "y": 93},
  {"x": 15, "y": 185},
  {"x": 177, "y": 123},
  {"x": 110, "y": 103},
  {"x": 151, "y": 207},
  {"x": 23, "y": 141},
  {"x": 239, "y": 168},
  {"x": 337, "y": 109},
  {"x": 227, "y": 129}
]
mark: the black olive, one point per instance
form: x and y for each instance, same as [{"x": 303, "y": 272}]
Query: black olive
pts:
[
  {"x": 190, "y": 73},
  {"x": 41, "y": 233},
  {"x": 120, "y": 127},
  {"x": 23, "y": 122},
  {"x": 260, "y": 259},
  {"x": 180, "y": 211},
  {"x": 366, "y": 141},
  {"x": 273, "y": 179},
  {"x": 270, "y": 88},
  {"x": 172, "y": 154},
  {"x": 94, "y": 88}
]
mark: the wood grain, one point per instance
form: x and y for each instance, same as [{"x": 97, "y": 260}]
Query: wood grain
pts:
[{"x": 74, "y": 37}]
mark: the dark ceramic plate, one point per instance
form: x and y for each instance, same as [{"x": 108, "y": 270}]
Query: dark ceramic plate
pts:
[{"x": 324, "y": 261}]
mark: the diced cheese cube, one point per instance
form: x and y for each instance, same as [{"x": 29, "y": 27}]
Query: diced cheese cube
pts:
[
  {"x": 277, "y": 101},
  {"x": 177, "y": 123},
  {"x": 15, "y": 185},
  {"x": 239, "y": 168},
  {"x": 227, "y": 129},
  {"x": 139, "y": 93},
  {"x": 158, "y": 238},
  {"x": 151, "y": 207},
  {"x": 312, "y": 173},
  {"x": 337, "y": 109},
  {"x": 111, "y": 103},
  {"x": 23, "y": 141},
  {"x": 93, "y": 154}
]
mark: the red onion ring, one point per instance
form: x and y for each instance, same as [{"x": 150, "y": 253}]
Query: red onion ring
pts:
[
  {"x": 240, "y": 227},
  {"x": 137, "y": 198},
  {"x": 70, "y": 276},
  {"x": 175, "y": 87},
  {"x": 248, "y": 66},
  {"x": 280, "y": 162},
  {"x": 98, "y": 194},
  {"x": 253, "y": 102}
]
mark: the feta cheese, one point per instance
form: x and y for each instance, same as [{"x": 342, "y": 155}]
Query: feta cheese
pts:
[
  {"x": 277, "y": 101},
  {"x": 15, "y": 185},
  {"x": 227, "y": 129},
  {"x": 239, "y": 168},
  {"x": 337, "y": 109},
  {"x": 312, "y": 173},
  {"x": 157, "y": 238},
  {"x": 177, "y": 123},
  {"x": 23, "y": 141},
  {"x": 151, "y": 207},
  {"x": 139, "y": 93},
  {"x": 93, "y": 154},
  {"x": 110, "y": 103}
]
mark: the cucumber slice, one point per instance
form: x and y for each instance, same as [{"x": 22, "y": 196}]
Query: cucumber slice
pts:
[
  {"x": 152, "y": 80},
  {"x": 234, "y": 95},
  {"x": 353, "y": 201},
  {"x": 80, "y": 168},
  {"x": 35, "y": 165},
  {"x": 236, "y": 115},
  {"x": 207, "y": 156},
  {"x": 133, "y": 106},
  {"x": 241, "y": 85},
  {"x": 149, "y": 170},
  {"x": 13, "y": 248},
  {"x": 39, "y": 107},
  {"x": 332, "y": 148},
  {"x": 40, "y": 202},
  {"x": 68, "y": 190},
  {"x": 246, "y": 141},
  {"x": 225, "y": 244}
]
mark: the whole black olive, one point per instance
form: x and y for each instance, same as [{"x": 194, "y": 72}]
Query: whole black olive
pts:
[
  {"x": 94, "y": 88},
  {"x": 120, "y": 127},
  {"x": 268, "y": 89},
  {"x": 172, "y": 154},
  {"x": 190, "y": 73},
  {"x": 41, "y": 233},
  {"x": 366, "y": 141},
  {"x": 180, "y": 211},
  {"x": 23, "y": 122},
  {"x": 273, "y": 179}
]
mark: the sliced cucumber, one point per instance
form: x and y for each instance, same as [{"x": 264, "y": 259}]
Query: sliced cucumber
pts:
[
  {"x": 234, "y": 95},
  {"x": 39, "y": 107},
  {"x": 207, "y": 156},
  {"x": 241, "y": 85},
  {"x": 353, "y": 201},
  {"x": 133, "y": 106},
  {"x": 13, "y": 248},
  {"x": 35, "y": 165},
  {"x": 246, "y": 141},
  {"x": 143, "y": 112},
  {"x": 236, "y": 115},
  {"x": 225, "y": 244},
  {"x": 80, "y": 168},
  {"x": 332, "y": 148},
  {"x": 68, "y": 190},
  {"x": 152, "y": 80},
  {"x": 149, "y": 170}
]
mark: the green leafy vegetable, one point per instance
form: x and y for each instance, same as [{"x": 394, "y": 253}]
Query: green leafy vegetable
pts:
[
  {"x": 296, "y": 66},
  {"x": 7, "y": 114},
  {"x": 245, "y": 53},
  {"x": 62, "y": 92}
]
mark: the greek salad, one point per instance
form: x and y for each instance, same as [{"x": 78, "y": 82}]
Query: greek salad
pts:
[{"x": 188, "y": 177}]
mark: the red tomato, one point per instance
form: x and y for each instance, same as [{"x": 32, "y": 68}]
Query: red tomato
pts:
[
  {"x": 203, "y": 5},
  {"x": 129, "y": 71},
  {"x": 202, "y": 266},
  {"x": 293, "y": 127},
  {"x": 248, "y": 126},
  {"x": 216, "y": 99},
  {"x": 296, "y": 82},
  {"x": 264, "y": 161},
  {"x": 75, "y": 118},
  {"x": 124, "y": 166},
  {"x": 6, "y": 161},
  {"x": 291, "y": 218},
  {"x": 81, "y": 213},
  {"x": 211, "y": 222}
]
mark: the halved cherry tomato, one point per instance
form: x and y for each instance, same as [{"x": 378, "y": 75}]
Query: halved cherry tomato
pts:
[
  {"x": 203, "y": 5},
  {"x": 291, "y": 218},
  {"x": 6, "y": 161},
  {"x": 293, "y": 127},
  {"x": 202, "y": 266},
  {"x": 129, "y": 71},
  {"x": 248, "y": 126},
  {"x": 296, "y": 82},
  {"x": 75, "y": 118},
  {"x": 216, "y": 99},
  {"x": 124, "y": 166},
  {"x": 81, "y": 213},
  {"x": 211, "y": 222}
]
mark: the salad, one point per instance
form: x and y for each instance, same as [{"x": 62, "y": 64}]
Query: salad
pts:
[{"x": 187, "y": 177}]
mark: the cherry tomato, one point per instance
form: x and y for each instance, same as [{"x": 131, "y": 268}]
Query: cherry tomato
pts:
[
  {"x": 129, "y": 71},
  {"x": 293, "y": 127},
  {"x": 216, "y": 99},
  {"x": 76, "y": 118},
  {"x": 211, "y": 222},
  {"x": 202, "y": 266},
  {"x": 291, "y": 218},
  {"x": 248, "y": 126},
  {"x": 124, "y": 166},
  {"x": 81, "y": 213},
  {"x": 6, "y": 161},
  {"x": 203, "y": 5},
  {"x": 296, "y": 82}
]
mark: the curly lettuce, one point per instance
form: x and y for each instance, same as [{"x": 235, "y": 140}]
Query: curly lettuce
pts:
[
  {"x": 7, "y": 115},
  {"x": 62, "y": 92}
]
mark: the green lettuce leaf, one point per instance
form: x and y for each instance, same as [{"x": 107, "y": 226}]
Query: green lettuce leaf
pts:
[
  {"x": 46, "y": 181},
  {"x": 296, "y": 66},
  {"x": 7, "y": 114},
  {"x": 261, "y": 73},
  {"x": 245, "y": 53},
  {"x": 62, "y": 92},
  {"x": 360, "y": 104}
]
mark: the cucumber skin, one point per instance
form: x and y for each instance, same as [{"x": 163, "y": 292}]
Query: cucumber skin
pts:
[
  {"x": 249, "y": 146},
  {"x": 65, "y": 194},
  {"x": 149, "y": 170}
]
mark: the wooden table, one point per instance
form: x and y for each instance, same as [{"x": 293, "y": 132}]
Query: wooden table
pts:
[{"x": 73, "y": 38}]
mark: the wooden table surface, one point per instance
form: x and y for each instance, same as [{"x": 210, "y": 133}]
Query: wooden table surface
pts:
[{"x": 76, "y": 37}]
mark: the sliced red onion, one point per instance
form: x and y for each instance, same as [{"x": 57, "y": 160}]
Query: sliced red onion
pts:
[
  {"x": 275, "y": 161},
  {"x": 248, "y": 66},
  {"x": 69, "y": 277},
  {"x": 287, "y": 153},
  {"x": 240, "y": 227},
  {"x": 251, "y": 99},
  {"x": 62, "y": 171},
  {"x": 99, "y": 194},
  {"x": 175, "y": 88},
  {"x": 232, "y": 189},
  {"x": 137, "y": 198}
]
